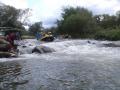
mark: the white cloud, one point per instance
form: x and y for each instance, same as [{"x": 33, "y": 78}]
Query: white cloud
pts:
[
  {"x": 16, "y": 3},
  {"x": 51, "y": 9},
  {"x": 46, "y": 10},
  {"x": 104, "y": 6}
]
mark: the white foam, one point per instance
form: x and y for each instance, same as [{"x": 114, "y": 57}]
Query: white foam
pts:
[{"x": 69, "y": 47}]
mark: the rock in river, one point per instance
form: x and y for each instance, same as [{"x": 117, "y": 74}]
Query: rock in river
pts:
[{"x": 42, "y": 49}]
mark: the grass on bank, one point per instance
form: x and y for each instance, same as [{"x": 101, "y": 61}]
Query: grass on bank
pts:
[{"x": 28, "y": 37}]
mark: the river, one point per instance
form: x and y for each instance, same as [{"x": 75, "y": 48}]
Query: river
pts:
[{"x": 73, "y": 65}]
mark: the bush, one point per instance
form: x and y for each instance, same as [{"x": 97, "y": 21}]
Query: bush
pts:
[{"x": 113, "y": 35}]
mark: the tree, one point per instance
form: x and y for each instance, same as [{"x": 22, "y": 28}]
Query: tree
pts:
[
  {"x": 118, "y": 18},
  {"x": 108, "y": 21},
  {"x": 36, "y": 27},
  {"x": 10, "y": 16},
  {"x": 75, "y": 21}
]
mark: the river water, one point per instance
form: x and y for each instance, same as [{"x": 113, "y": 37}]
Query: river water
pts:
[{"x": 73, "y": 65}]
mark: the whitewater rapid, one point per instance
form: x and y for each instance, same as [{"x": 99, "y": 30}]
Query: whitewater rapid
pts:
[
  {"x": 94, "y": 49},
  {"x": 77, "y": 47}
]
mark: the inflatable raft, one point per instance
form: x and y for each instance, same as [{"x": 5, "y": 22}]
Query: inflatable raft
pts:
[{"x": 47, "y": 38}]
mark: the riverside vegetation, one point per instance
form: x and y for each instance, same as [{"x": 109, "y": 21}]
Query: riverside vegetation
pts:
[{"x": 75, "y": 21}]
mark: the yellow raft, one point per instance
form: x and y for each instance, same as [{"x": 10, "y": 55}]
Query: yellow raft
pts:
[{"x": 47, "y": 38}]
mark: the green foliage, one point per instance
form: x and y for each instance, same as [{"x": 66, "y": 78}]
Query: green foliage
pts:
[
  {"x": 76, "y": 22},
  {"x": 80, "y": 23},
  {"x": 113, "y": 34},
  {"x": 70, "y": 11},
  {"x": 10, "y": 17},
  {"x": 106, "y": 21},
  {"x": 25, "y": 32},
  {"x": 36, "y": 27},
  {"x": 118, "y": 18}
]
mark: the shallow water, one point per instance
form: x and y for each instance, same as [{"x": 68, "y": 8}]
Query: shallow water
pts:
[{"x": 75, "y": 65}]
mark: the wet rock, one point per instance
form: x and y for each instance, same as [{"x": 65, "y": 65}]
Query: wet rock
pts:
[
  {"x": 90, "y": 42},
  {"x": 4, "y": 54},
  {"x": 42, "y": 49},
  {"x": 111, "y": 45},
  {"x": 36, "y": 49},
  {"x": 24, "y": 46}
]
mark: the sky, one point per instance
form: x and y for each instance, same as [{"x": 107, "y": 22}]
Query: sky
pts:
[{"x": 48, "y": 11}]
